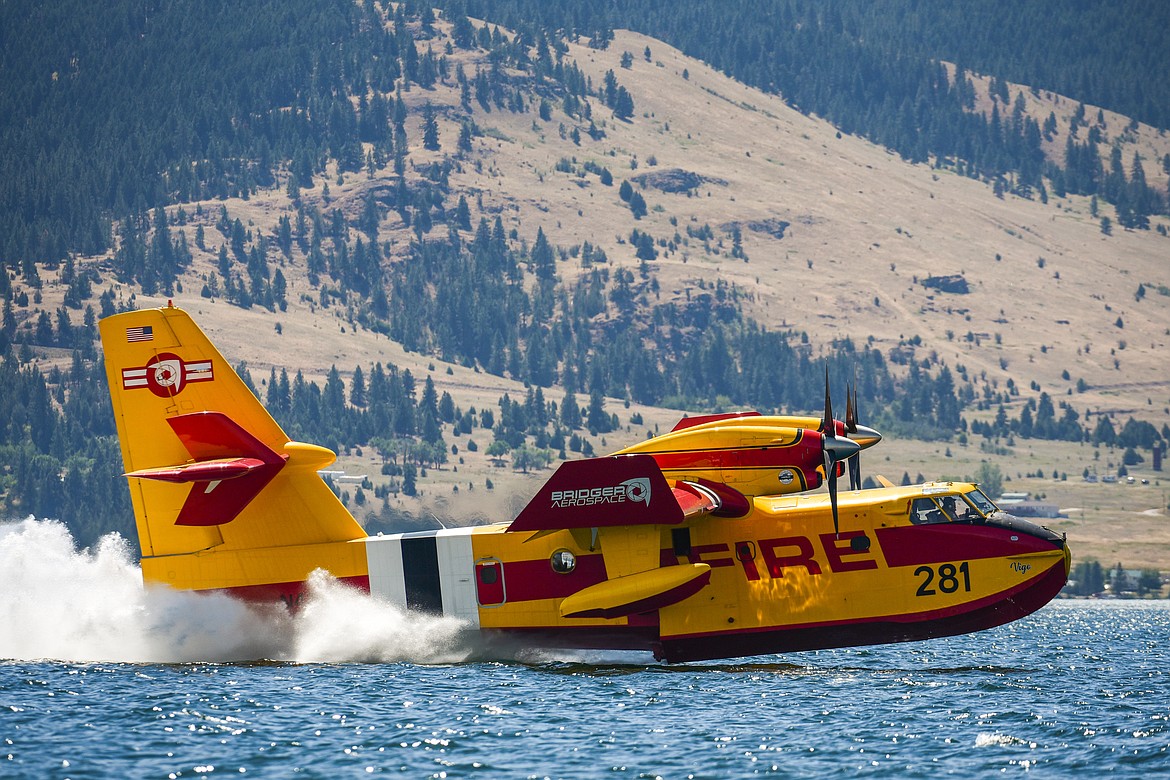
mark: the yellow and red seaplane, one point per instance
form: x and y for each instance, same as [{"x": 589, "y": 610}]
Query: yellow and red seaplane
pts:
[{"x": 701, "y": 543}]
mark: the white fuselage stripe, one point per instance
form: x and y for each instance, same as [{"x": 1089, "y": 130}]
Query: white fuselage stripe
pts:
[{"x": 456, "y": 570}]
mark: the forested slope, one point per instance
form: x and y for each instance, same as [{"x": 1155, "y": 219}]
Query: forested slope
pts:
[
  {"x": 876, "y": 69},
  {"x": 361, "y": 166}
]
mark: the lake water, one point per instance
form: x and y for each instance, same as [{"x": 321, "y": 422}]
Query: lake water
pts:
[{"x": 156, "y": 684}]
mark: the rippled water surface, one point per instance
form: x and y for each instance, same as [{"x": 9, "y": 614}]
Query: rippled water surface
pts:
[{"x": 1080, "y": 688}]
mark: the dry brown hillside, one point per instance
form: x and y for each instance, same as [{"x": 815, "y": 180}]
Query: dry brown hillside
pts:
[{"x": 838, "y": 235}]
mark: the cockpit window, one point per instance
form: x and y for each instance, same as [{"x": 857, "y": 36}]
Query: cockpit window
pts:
[
  {"x": 924, "y": 512},
  {"x": 981, "y": 502},
  {"x": 944, "y": 509},
  {"x": 958, "y": 510}
]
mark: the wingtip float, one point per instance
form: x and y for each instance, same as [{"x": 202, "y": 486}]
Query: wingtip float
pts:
[{"x": 700, "y": 543}]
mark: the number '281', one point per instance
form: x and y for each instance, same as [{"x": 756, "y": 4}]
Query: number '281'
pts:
[{"x": 947, "y": 578}]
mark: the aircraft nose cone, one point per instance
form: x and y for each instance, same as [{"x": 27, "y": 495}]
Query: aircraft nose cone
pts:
[{"x": 865, "y": 437}]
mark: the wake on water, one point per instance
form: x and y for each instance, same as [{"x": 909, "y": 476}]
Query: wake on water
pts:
[{"x": 90, "y": 605}]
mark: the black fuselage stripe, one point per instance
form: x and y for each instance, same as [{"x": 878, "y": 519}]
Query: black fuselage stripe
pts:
[{"x": 420, "y": 573}]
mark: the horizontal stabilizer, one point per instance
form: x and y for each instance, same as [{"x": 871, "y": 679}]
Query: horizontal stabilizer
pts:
[
  {"x": 597, "y": 492},
  {"x": 207, "y": 471},
  {"x": 208, "y": 435},
  {"x": 632, "y": 594},
  {"x": 230, "y": 468}
]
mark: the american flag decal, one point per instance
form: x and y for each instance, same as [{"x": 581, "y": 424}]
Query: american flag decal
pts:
[{"x": 140, "y": 333}]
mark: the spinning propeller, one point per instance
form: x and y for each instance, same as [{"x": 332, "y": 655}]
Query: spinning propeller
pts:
[
  {"x": 843, "y": 448},
  {"x": 863, "y": 435}
]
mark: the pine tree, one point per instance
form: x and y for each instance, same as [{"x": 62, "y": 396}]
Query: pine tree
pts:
[
  {"x": 623, "y": 104},
  {"x": 597, "y": 419},
  {"x": 570, "y": 412},
  {"x": 465, "y": 135},
  {"x": 637, "y": 205},
  {"x": 430, "y": 129},
  {"x": 643, "y": 245},
  {"x": 463, "y": 214},
  {"x": 357, "y": 388},
  {"x": 543, "y": 259}
]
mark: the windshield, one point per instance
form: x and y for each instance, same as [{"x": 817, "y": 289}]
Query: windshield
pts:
[{"x": 981, "y": 502}]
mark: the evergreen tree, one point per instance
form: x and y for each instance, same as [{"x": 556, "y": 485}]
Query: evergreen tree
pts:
[
  {"x": 463, "y": 214},
  {"x": 637, "y": 205},
  {"x": 623, "y": 104},
  {"x": 597, "y": 420},
  {"x": 543, "y": 260},
  {"x": 357, "y": 388},
  {"x": 570, "y": 412},
  {"x": 430, "y": 129},
  {"x": 464, "y": 144}
]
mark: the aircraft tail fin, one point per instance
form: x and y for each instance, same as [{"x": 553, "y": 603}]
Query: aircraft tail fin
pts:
[{"x": 222, "y": 498}]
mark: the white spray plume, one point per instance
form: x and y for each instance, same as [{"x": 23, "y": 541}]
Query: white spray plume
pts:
[{"x": 90, "y": 605}]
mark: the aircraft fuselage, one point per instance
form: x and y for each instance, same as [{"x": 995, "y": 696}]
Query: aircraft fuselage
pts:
[{"x": 779, "y": 579}]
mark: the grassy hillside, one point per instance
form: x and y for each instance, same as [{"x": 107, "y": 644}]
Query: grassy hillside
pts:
[{"x": 836, "y": 237}]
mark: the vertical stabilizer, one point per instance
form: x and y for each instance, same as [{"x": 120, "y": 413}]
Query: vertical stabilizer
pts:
[{"x": 222, "y": 498}]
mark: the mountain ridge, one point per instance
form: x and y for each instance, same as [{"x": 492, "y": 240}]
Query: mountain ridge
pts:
[{"x": 863, "y": 229}]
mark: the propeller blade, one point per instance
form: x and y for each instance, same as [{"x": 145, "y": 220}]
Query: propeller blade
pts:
[
  {"x": 850, "y": 429},
  {"x": 834, "y": 451},
  {"x": 850, "y": 409},
  {"x": 828, "y": 426},
  {"x": 863, "y": 435},
  {"x": 831, "y": 478},
  {"x": 855, "y": 472}
]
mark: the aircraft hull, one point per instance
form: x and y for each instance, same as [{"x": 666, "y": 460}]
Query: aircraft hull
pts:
[
  {"x": 987, "y": 613},
  {"x": 772, "y": 587},
  {"x": 992, "y": 612}
]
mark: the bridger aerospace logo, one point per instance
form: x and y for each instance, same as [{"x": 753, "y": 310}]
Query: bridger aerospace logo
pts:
[{"x": 632, "y": 490}]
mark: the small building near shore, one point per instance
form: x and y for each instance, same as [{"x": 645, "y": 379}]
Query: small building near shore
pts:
[{"x": 1033, "y": 509}]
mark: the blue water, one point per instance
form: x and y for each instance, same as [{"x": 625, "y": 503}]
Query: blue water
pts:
[{"x": 1080, "y": 688}]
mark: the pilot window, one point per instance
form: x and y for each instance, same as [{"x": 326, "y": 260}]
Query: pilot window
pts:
[
  {"x": 959, "y": 511},
  {"x": 924, "y": 512},
  {"x": 946, "y": 509},
  {"x": 981, "y": 502}
]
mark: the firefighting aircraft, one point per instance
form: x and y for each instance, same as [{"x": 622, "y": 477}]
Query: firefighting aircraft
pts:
[{"x": 685, "y": 545}]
